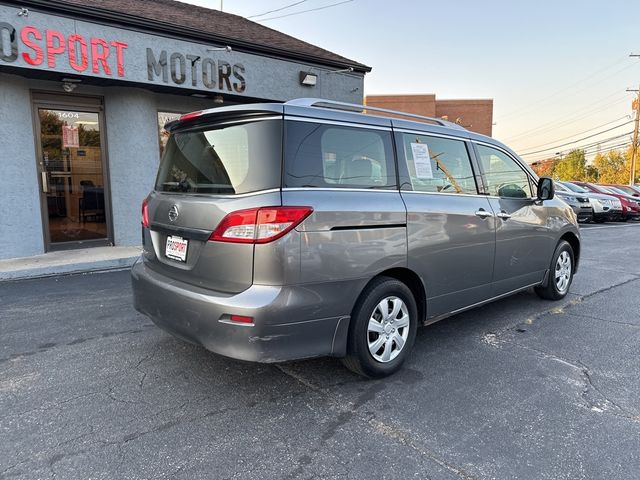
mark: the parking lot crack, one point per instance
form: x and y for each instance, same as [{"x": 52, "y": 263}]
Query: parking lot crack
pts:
[
  {"x": 352, "y": 410},
  {"x": 598, "y": 403}
]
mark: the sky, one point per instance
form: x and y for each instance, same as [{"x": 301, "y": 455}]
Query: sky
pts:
[{"x": 557, "y": 70}]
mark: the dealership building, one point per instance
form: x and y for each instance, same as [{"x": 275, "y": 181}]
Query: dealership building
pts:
[{"x": 87, "y": 85}]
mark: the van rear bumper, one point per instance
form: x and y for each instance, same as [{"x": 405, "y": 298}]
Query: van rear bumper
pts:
[{"x": 281, "y": 330}]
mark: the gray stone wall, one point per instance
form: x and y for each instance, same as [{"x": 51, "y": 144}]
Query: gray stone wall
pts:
[{"x": 20, "y": 220}]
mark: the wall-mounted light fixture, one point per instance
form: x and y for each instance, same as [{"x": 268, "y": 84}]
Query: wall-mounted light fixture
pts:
[
  {"x": 308, "y": 79},
  {"x": 226, "y": 48},
  {"x": 24, "y": 12},
  {"x": 219, "y": 99},
  {"x": 70, "y": 84}
]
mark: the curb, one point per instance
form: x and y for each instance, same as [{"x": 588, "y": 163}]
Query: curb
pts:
[{"x": 68, "y": 269}]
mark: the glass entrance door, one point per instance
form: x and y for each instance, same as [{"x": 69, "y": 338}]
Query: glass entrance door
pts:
[{"x": 72, "y": 178}]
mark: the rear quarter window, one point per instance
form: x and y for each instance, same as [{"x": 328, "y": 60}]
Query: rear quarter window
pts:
[
  {"x": 335, "y": 156},
  {"x": 225, "y": 159}
]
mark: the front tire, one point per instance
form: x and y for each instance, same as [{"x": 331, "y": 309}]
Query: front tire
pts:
[
  {"x": 560, "y": 273},
  {"x": 382, "y": 330}
]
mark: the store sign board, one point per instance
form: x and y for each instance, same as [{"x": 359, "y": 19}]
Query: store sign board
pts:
[{"x": 76, "y": 48}]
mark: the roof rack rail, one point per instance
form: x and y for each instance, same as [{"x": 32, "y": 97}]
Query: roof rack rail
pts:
[{"x": 358, "y": 108}]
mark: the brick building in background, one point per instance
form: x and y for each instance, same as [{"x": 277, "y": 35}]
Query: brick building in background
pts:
[{"x": 475, "y": 115}]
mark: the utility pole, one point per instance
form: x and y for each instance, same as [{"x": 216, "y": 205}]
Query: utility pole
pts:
[{"x": 634, "y": 148}]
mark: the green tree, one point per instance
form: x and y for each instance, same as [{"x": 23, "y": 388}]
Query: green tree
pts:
[
  {"x": 572, "y": 167},
  {"x": 613, "y": 166},
  {"x": 591, "y": 174}
]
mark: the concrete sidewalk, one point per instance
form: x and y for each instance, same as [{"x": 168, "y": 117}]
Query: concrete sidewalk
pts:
[{"x": 68, "y": 261}]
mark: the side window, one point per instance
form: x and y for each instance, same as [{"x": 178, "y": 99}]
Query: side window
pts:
[
  {"x": 319, "y": 155},
  {"x": 438, "y": 164},
  {"x": 503, "y": 176}
]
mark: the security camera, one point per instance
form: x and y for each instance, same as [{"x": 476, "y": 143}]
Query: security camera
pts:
[{"x": 69, "y": 87}]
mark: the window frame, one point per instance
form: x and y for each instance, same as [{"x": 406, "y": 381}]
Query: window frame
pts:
[
  {"x": 403, "y": 171},
  {"x": 533, "y": 183}
]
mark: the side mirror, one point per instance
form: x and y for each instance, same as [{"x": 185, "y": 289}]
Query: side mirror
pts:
[{"x": 546, "y": 190}]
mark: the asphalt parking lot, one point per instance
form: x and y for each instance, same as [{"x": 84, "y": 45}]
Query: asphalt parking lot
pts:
[{"x": 521, "y": 388}]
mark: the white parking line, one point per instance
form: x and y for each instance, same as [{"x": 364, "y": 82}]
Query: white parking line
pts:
[{"x": 585, "y": 227}]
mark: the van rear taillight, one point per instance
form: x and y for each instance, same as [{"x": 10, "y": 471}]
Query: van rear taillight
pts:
[
  {"x": 145, "y": 213},
  {"x": 259, "y": 225}
]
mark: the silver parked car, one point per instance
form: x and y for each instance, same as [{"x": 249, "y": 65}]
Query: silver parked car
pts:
[
  {"x": 286, "y": 231},
  {"x": 582, "y": 207}
]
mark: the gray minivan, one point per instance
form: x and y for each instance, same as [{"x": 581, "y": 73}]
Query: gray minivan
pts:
[{"x": 286, "y": 231}]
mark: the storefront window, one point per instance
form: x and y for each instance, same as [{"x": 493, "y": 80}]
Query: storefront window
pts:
[{"x": 163, "y": 119}]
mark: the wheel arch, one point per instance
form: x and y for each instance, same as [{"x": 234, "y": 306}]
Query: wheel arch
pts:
[
  {"x": 573, "y": 240},
  {"x": 411, "y": 279}
]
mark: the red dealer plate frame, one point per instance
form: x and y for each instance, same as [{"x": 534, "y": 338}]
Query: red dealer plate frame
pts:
[{"x": 176, "y": 248}]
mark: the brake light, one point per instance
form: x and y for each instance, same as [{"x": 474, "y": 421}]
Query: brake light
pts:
[
  {"x": 145, "y": 213},
  {"x": 190, "y": 116},
  {"x": 259, "y": 225}
]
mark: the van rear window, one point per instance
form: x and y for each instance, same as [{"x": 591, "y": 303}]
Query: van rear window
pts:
[{"x": 225, "y": 159}]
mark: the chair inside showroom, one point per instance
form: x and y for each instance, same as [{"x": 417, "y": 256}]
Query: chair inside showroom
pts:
[{"x": 91, "y": 202}]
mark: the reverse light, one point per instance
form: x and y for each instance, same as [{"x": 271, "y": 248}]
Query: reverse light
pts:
[
  {"x": 145, "y": 213},
  {"x": 259, "y": 225}
]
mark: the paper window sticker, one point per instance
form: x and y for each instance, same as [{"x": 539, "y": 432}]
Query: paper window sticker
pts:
[{"x": 422, "y": 160}]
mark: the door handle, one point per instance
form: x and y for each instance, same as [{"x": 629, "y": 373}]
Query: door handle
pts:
[
  {"x": 482, "y": 213},
  {"x": 503, "y": 215},
  {"x": 45, "y": 182}
]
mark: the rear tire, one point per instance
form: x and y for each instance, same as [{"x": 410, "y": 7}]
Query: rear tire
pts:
[
  {"x": 382, "y": 330},
  {"x": 560, "y": 273}
]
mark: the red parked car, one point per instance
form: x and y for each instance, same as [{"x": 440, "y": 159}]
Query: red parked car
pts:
[
  {"x": 628, "y": 189},
  {"x": 630, "y": 205}
]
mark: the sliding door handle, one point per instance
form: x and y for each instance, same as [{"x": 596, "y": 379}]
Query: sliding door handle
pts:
[{"x": 482, "y": 213}]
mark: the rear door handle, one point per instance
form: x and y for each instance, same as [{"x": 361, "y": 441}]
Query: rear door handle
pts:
[
  {"x": 482, "y": 213},
  {"x": 503, "y": 215}
]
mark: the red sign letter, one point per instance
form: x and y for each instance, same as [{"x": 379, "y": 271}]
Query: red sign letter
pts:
[
  {"x": 73, "y": 54},
  {"x": 100, "y": 55},
  {"x": 119, "y": 56},
  {"x": 24, "y": 35},
  {"x": 53, "y": 50}
]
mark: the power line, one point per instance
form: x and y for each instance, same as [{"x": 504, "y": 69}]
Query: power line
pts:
[
  {"x": 608, "y": 149},
  {"x": 568, "y": 119},
  {"x": 304, "y": 11},
  {"x": 278, "y": 9},
  {"x": 582, "y": 147},
  {"x": 586, "y": 152},
  {"x": 576, "y": 134},
  {"x": 576, "y": 141},
  {"x": 571, "y": 86}
]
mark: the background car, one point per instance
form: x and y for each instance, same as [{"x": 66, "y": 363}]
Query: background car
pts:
[
  {"x": 578, "y": 202},
  {"x": 634, "y": 191},
  {"x": 630, "y": 208},
  {"x": 606, "y": 208}
]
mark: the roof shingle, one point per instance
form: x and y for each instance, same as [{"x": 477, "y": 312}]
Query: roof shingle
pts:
[{"x": 209, "y": 24}]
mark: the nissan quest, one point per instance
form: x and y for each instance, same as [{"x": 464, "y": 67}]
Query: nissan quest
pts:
[{"x": 316, "y": 228}]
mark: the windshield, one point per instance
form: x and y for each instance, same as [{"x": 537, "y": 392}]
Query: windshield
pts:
[
  {"x": 226, "y": 159},
  {"x": 617, "y": 190},
  {"x": 609, "y": 190},
  {"x": 575, "y": 188}
]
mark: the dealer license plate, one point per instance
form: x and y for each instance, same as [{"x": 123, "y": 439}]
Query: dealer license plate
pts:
[{"x": 176, "y": 248}]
